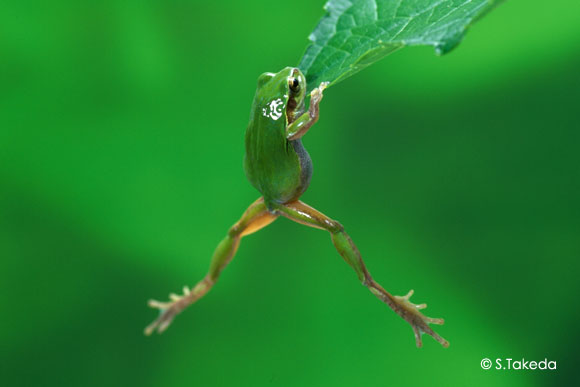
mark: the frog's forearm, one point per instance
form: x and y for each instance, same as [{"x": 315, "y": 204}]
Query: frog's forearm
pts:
[
  {"x": 255, "y": 217},
  {"x": 302, "y": 213},
  {"x": 300, "y": 126}
]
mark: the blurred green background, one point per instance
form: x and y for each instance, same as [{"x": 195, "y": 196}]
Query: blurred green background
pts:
[{"x": 121, "y": 147}]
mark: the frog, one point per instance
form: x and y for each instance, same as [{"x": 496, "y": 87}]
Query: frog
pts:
[{"x": 279, "y": 167}]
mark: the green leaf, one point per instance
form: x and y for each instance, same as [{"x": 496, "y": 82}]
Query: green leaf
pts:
[{"x": 356, "y": 33}]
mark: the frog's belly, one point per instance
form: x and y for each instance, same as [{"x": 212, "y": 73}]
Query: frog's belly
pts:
[
  {"x": 284, "y": 178},
  {"x": 305, "y": 166}
]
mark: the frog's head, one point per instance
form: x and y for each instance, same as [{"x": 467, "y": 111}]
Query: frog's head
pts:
[{"x": 289, "y": 85}]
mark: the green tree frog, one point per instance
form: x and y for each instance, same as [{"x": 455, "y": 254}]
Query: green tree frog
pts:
[{"x": 279, "y": 167}]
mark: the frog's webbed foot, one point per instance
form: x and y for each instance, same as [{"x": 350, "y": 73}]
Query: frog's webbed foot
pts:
[
  {"x": 420, "y": 323},
  {"x": 168, "y": 310}
]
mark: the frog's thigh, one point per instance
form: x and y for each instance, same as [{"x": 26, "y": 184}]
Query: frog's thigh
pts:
[
  {"x": 304, "y": 214},
  {"x": 258, "y": 222},
  {"x": 254, "y": 218}
]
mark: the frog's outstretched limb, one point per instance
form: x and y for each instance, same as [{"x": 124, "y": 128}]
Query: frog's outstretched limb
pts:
[
  {"x": 256, "y": 217},
  {"x": 298, "y": 128},
  {"x": 304, "y": 214}
]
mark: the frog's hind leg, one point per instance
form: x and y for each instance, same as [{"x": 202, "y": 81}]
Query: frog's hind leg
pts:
[
  {"x": 256, "y": 217},
  {"x": 302, "y": 213}
]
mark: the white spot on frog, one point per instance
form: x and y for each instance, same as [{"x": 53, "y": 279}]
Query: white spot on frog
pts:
[{"x": 274, "y": 109}]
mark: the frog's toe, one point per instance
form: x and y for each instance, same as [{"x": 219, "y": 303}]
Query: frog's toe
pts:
[
  {"x": 167, "y": 310},
  {"x": 420, "y": 323},
  {"x": 167, "y": 313}
]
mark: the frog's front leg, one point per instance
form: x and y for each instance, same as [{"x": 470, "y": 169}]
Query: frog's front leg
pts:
[
  {"x": 302, "y": 213},
  {"x": 256, "y": 217},
  {"x": 300, "y": 126}
]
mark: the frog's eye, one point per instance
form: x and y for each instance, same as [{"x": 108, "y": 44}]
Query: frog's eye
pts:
[{"x": 294, "y": 84}]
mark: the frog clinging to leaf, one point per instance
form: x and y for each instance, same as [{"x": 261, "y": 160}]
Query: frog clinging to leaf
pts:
[{"x": 279, "y": 167}]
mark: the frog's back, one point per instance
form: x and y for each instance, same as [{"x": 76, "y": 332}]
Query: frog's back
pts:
[{"x": 278, "y": 168}]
